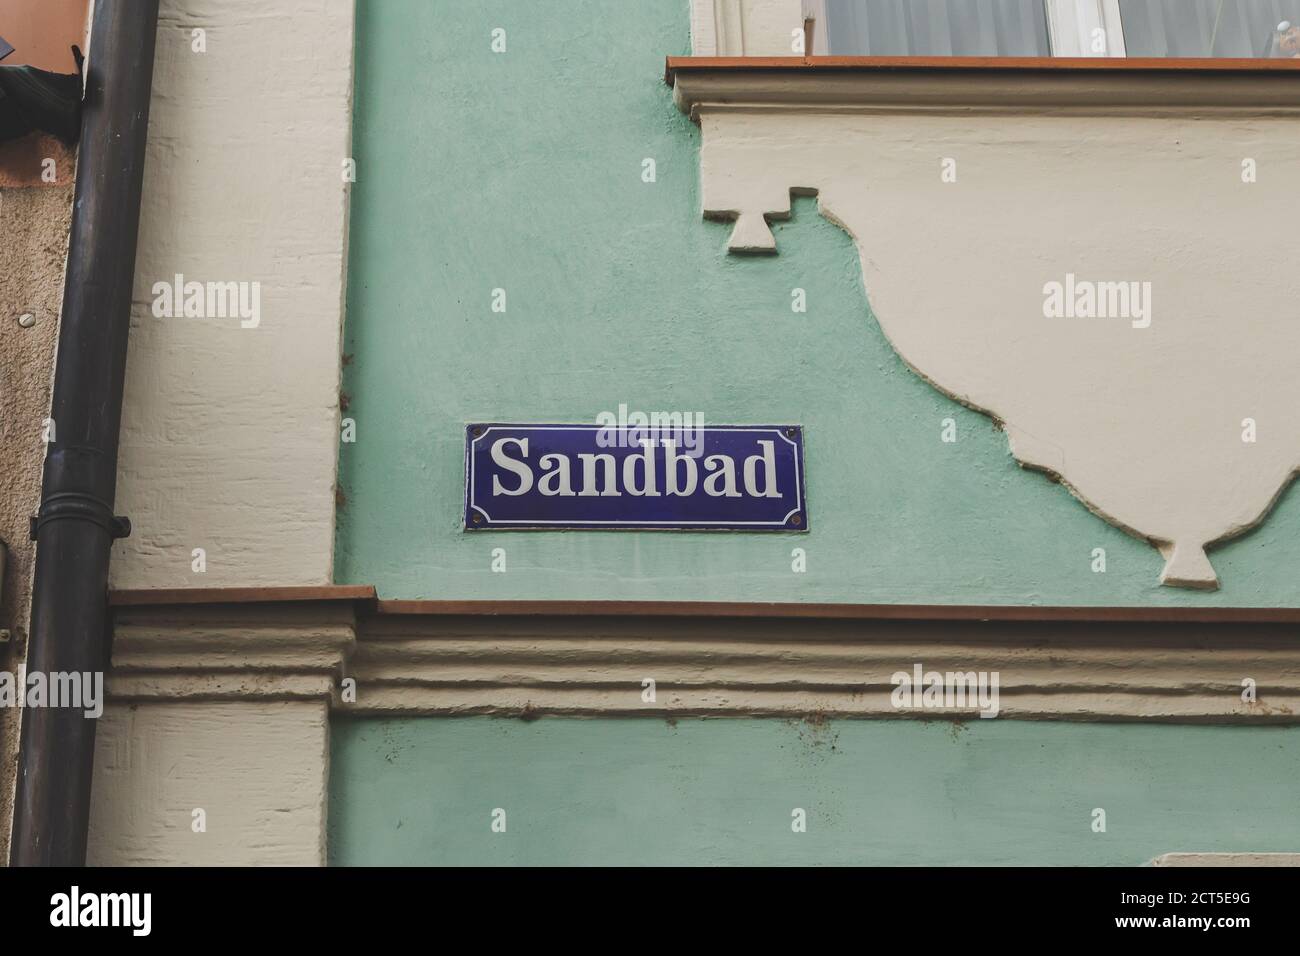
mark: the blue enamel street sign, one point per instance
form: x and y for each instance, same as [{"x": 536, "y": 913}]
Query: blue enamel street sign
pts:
[{"x": 693, "y": 478}]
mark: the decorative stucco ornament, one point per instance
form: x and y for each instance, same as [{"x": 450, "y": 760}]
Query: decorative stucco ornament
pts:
[{"x": 1104, "y": 261}]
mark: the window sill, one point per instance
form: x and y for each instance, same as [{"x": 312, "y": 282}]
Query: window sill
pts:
[{"x": 995, "y": 83}]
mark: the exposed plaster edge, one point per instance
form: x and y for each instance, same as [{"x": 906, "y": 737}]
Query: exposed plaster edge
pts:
[
  {"x": 345, "y": 197},
  {"x": 1226, "y": 859}
]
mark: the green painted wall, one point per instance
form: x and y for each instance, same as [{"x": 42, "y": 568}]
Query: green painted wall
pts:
[
  {"x": 522, "y": 171},
  {"x": 637, "y": 791}
]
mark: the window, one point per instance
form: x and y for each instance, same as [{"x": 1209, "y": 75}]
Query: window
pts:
[
  {"x": 1136, "y": 28},
  {"x": 1244, "y": 28},
  {"x": 937, "y": 28}
]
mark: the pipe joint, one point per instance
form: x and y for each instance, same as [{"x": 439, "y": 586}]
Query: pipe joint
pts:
[{"x": 80, "y": 506}]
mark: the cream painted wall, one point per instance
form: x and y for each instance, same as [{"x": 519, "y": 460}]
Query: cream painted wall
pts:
[
  {"x": 230, "y": 434},
  {"x": 745, "y": 27},
  {"x": 1173, "y": 421},
  {"x": 255, "y": 768}
]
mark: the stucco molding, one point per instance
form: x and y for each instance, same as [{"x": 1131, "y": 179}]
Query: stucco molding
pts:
[
  {"x": 711, "y": 667},
  {"x": 230, "y": 652},
  {"x": 1117, "y": 408},
  {"x": 408, "y": 662}
]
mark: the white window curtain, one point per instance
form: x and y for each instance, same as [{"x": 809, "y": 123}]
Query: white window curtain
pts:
[
  {"x": 1191, "y": 28},
  {"x": 1136, "y": 28},
  {"x": 936, "y": 28}
]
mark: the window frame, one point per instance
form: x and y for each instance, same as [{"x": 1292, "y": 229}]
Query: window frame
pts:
[
  {"x": 1086, "y": 17},
  {"x": 766, "y": 28}
]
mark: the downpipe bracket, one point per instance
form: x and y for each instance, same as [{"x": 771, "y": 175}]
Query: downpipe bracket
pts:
[{"x": 79, "y": 506}]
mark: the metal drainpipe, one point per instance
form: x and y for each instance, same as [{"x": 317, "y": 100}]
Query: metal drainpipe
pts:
[{"x": 75, "y": 526}]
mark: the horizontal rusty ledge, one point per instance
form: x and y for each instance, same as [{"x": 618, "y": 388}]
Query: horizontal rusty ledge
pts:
[
  {"x": 365, "y": 598},
  {"x": 166, "y": 597},
  {"x": 847, "y": 612},
  {"x": 1023, "y": 64}
]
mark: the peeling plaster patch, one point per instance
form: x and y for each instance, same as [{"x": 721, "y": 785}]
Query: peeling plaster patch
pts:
[{"x": 817, "y": 738}]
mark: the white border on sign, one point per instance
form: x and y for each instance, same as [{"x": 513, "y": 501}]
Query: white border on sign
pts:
[{"x": 798, "y": 483}]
